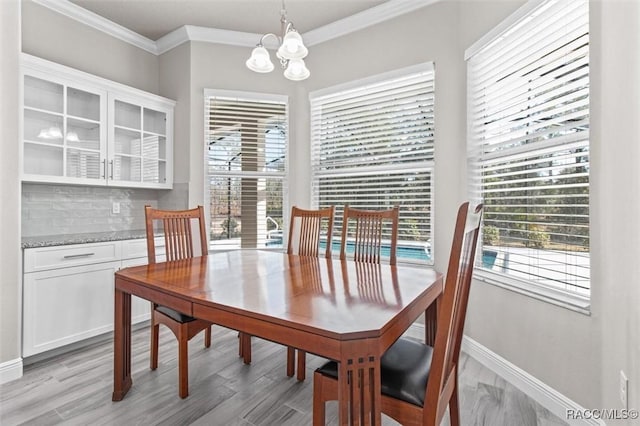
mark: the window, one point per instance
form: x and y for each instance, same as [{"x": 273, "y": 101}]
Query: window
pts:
[
  {"x": 528, "y": 139},
  {"x": 372, "y": 148},
  {"x": 246, "y": 135}
]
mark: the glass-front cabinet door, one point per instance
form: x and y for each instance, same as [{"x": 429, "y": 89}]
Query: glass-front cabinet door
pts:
[
  {"x": 139, "y": 152},
  {"x": 64, "y": 136}
]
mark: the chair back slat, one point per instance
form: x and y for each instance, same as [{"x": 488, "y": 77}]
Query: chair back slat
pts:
[
  {"x": 177, "y": 227},
  {"x": 305, "y": 229},
  {"x": 368, "y": 232},
  {"x": 452, "y": 311}
]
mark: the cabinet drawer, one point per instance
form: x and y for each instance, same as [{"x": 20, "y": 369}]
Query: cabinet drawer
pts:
[
  {"x": 45, "y": 258},
  {"x": 132, "y": 249}
]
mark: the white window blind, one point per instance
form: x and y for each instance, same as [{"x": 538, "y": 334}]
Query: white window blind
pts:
[
  {"x": 372, "y": 148},
  {"x": 528, "y": 109},
  {"x": 246, "y": 135}
]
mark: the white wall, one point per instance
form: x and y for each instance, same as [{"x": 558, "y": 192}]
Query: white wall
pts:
[
  {"x": 615, "y": 100},
  {"x": 10, "y": 255}
]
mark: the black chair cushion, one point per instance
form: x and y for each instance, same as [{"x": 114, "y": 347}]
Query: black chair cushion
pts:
[
  {"x": 174, "y": 315},
  {"x": 405, "y": 369}
]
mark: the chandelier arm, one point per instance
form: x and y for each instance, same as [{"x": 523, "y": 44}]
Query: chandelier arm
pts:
[{"x": 261, "y": 42}]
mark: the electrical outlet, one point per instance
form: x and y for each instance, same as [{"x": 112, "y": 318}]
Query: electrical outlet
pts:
[
  {"x": 624, "y": 383},
  {"x": 115, "y": 208}
]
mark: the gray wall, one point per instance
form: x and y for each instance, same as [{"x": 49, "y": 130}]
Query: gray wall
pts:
[
  {"x": 10, "y": 255},
  {"x": 55, "y": 37}
]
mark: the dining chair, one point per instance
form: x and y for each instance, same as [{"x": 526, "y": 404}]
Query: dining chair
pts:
[
  {"x": 419, "y": 381},
  {"x": 305, "y": 230},
  {"x": 363, "y": 230},
  {"x": 180, "y": 243}
]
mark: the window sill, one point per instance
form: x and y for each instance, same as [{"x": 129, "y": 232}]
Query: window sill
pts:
[{"x": 573, "y": 302}]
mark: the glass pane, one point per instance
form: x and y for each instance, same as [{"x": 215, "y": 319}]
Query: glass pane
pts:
[
  {"x": 83, "y": 104},
  {"x": 126, "y": 168},
  {"x": 127, "y": 115},
  {"x": 127, "y": 142},
  {"x": 152, "y": 170},
  {"x": 43, "y": 94},
  {"x": 83, "y": 134},
  {"x": 42, "y": 127},
  {"x": 155, "y": 121},
  {"x": 246, "y": 212},
  {"x": 151, "y": 146},
  {"x": 42, "y": 160},
  {"x": 83, "y": 164}
]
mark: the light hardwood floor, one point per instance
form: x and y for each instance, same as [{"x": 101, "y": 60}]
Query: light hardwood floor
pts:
[{"x": 75, "y": 389}]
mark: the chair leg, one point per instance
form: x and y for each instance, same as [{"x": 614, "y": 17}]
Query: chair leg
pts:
[
  {"x": 318, "y": 400},
  {"x": 291, "y": 361},
  {"x": 183, "y": 361},
  {"x": 207, "y": 337},
  {"x": 454, "y": 406},
  {"x": 240, "y": 345},
  {"x": 302, "y": 365},
  {"x": 155, "y": 331}
]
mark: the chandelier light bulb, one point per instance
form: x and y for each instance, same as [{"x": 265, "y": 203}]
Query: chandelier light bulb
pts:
[
  {"x": 260, "y": 60},
  {"x": 292, "y": 46},
  {"x": 297, "y": 70}
]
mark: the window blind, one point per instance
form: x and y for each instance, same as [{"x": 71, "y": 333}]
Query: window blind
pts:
[
  {"x": 528, "y": 139},
  {"x": 372, "y": 148},
  {"x": 246, "y": 137}
]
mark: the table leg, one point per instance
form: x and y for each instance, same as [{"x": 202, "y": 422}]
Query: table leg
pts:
[
  {"x": 121, "y": 345},
  {"x": 359, "y": 397}
]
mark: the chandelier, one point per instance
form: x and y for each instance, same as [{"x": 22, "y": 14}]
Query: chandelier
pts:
[{"x": 291, "y": 51}]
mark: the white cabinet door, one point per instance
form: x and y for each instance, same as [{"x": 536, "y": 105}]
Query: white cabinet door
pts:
[
  {"x": 140, "y": 142},
  {"x": 64, "y": 130},
  {"x": 67, "y": 305}
]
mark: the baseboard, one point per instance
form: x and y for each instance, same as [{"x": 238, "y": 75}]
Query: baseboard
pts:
[
  {"x": 543, "y": 394},
  {"x": 540, "y": 392},
  {"x": 10, "y": 370}
]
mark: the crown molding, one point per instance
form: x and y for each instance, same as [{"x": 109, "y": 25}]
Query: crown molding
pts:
[
  {"x": 73, "y": 11},
  {"x": 361, "y": 20},
  {"x": 356, "y": 22},
  {"x": 209, "y": 35}
]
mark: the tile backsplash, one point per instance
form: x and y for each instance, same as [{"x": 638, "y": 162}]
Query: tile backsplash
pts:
[{"x": 65, "y": 209}]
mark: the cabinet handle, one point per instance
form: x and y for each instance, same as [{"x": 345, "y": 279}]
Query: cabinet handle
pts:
[
  {"x": 111, "y": 174},
  {"x": 104, "y": 169},
  {"x": 76, "y": 256}
]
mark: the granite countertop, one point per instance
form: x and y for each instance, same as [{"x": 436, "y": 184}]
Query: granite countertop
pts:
[{"x": 92, "y": 237}]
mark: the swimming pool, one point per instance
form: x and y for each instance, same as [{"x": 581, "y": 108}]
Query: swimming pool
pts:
[{"x": 403, "y": 252}]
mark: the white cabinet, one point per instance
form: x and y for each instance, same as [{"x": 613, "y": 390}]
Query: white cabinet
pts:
[
  {"x": 68, "y": 291},
  {"x": 82, "y": 129},
  {"x": 67, "y": 305}
]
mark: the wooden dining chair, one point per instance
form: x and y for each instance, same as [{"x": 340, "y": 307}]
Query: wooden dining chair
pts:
[
  {"x": 305, "y": 229},
  {"x": 367, "y": 234},
  {"x": 419, "y": 381},
  {"x": 179, "y": 244}
]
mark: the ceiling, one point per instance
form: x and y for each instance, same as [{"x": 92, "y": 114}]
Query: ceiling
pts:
[{"x": 156, "y": 18}]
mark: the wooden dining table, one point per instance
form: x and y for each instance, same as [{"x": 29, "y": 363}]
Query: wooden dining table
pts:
[{"x": 347, "y": 311}]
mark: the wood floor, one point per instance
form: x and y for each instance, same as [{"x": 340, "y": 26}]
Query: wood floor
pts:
[{"x": 75, "y": 389}]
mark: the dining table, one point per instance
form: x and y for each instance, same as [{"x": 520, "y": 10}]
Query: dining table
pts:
[{"x": 343, "y": 310}]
